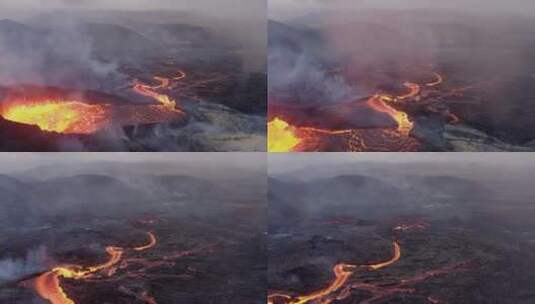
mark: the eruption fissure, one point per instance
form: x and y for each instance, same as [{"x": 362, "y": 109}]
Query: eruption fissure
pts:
[{"x": 77, "y": 117}]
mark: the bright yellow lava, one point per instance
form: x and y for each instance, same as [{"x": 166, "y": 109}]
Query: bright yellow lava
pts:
[
  {"x": 281, "y": 136},
  {"x": 59, "y": 116}
]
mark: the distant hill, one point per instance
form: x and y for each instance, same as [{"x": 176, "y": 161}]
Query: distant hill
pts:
[
  {"x": 87, "y": 193},
  {"x": 345, "y": 195},
  {"x": 297, "y": 39},
  {"x": 453, "y": 186},
  {"x": 176, "y": 34},
  {"x": 14, "y": 35},
  {"x": 114, "y": 41}
]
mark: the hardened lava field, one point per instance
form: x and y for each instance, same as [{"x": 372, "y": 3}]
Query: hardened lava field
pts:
[
  {"x": 141, "y": 239},
  {"x": 400, "y": 233}
]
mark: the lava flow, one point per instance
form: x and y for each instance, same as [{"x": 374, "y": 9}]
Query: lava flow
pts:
[
  {"x": 123, "y": 265},
  {"x": 152, "y": 243},
  {"x": 77, "y": 117},
  {"x": 48, "y": 285},
  {"x": 68, "y": 117},
  {"x": 285, "y": 137},
  {"x": 164, "y": 83},
  {"x": 341, "y": 287},
  {"x": 380, "y": 104},
  {"x": 282, "y": 137},
  {"x": 342, "y": 273}
]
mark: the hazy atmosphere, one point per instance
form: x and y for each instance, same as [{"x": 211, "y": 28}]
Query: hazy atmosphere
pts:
[
  {"x": 132, "y": 228},
  {"x": 221, "y": 8},
  {"x": 287, "y": 163},
  {"x": 293, "y": 8},
  {"x": 401, "y": 228},
  {"x": 401, "y": 76},
  {"x": 133, "y": 76},
  {"x": 15, "y": 162}
]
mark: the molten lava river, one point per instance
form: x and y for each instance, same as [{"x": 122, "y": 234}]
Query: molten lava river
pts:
[
  {"x": 283, "y": 136},
  {"x": 345, "y": 278},
  {"x": 76, "y": 117},
  {"x": 49, "y": 285}
]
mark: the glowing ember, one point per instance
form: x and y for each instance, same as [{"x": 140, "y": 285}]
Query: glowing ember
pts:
[
  {"x": 282, "y": 136},
  {"x": 69, "y": 117},
  {"x": 414, "y": 224}
]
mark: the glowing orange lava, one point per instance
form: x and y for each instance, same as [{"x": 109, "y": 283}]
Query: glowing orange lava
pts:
[
  {"x": 285, "y": 137},
  {"x": 414, "y": 90},
  {"x": 379, "y": 104},
  {"x": 342, "y": 273},
  {"x": 395, "y": 258},
  {"x": 152, "y": 243},
  {"x": 164, "y": 83},
  {"x": 48, "y": 284},
  {"x": 282, "y": 137},
  {"x": 69, "y": 117},
  {"x": 77, "y": 117},
  {"x": 439, "y": 80}
]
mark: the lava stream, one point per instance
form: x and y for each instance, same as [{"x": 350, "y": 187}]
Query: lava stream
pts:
[
  {"x": 152, "y": 243},
  {"x": 439, "y": 80},
  {"x": 414, "y": 90},
  {"x": 342, "y": 273},
  {"x": 284, "y": 137},
  {"x": 48, "y": 284},
  {"x": 164, "y": 83},
  {"x": 395, "y": 258},
  {"x": 379, "y": 103}
]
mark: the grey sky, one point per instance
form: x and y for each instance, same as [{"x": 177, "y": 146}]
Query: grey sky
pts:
[
  {"x": 283, "y": 163},
  {"x": 291, "y": 8},
  {"x": 212, "y": 7},
  {"x": 12, "y": 162}
]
